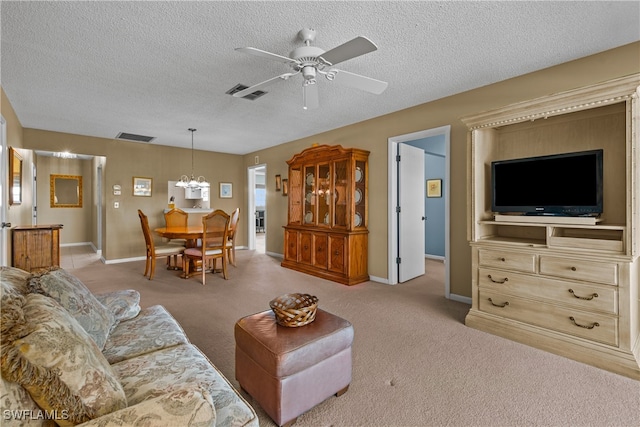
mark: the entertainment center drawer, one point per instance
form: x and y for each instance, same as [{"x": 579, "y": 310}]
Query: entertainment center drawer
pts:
[
  {"x": 570, "y": 268},
  {"x": 508, "y": 260},
  {"x": 592, "y": 326},
  {"x": 574, "y": 294}
]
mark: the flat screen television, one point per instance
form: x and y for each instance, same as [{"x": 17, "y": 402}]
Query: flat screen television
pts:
[{"x": 561, "y": 184}]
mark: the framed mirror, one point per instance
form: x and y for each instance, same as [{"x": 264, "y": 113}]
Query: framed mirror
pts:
[
  {"x": 65, "y": 191},
  {"x": 15, "y": 177}
]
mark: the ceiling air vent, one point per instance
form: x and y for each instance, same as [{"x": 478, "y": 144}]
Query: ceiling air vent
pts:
[
  {"x": 134, "y": 137},
  {"x": 252, "y": 96}
]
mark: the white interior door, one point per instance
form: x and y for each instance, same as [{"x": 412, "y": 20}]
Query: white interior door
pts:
[{"x": 411, "y": 194}]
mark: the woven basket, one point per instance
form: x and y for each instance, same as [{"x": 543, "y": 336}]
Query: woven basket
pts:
[{"x": 293, "y": 310}]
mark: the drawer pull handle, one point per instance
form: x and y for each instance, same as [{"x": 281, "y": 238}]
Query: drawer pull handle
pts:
[
  {"x": 503, "y": 305},
  {"x": 573, "y": 269},
  {"x": 584, "y": 326},
  {"x": 589, "y": 298},
  {"x": 502, "y": 259},
  {"x": 506, "y": 279}
]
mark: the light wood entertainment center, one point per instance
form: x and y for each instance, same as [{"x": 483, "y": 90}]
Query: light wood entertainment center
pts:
[{"x": 567, "y": 287}]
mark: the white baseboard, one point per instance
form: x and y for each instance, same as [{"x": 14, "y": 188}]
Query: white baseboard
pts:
[{"x": 460, "y": 298}]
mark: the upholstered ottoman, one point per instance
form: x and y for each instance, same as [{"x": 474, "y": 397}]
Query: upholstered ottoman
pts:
[{"x": 290, "y": 370}]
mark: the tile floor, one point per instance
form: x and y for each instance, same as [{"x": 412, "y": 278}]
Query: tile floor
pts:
[{"x": 77, "y": 256}]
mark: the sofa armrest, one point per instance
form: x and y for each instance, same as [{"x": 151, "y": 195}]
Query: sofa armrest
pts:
[
  {"x": 184, "y": 407},
  {"x": 124, "y": 305}
]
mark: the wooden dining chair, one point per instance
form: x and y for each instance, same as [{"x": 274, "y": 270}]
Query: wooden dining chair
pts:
[
  {"x": 154, "y": 251},
  {"x": 176, "y": 217},
  {"x": 233, "y": 227},
  {"x": 215, "y": 241}
]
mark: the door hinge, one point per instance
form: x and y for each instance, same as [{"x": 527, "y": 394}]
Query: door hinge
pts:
[
  {"x": 398, "y": 260},
  {"x": 397, "y": 157},
  {"x": 398, "y": 209}
]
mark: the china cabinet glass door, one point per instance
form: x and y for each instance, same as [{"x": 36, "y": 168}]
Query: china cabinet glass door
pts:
[
  {"x": 323, "y": 194},
  {"x": 340, "y": 194},
  {"x": 309, "y": 195},
  {"x": 359, "y": 195}
]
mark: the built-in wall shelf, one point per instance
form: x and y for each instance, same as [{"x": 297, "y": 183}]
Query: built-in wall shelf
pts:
[{"x": 602, "y": 237}]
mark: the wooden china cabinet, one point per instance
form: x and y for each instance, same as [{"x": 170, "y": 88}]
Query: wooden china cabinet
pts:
[{"x": 326, "y": 234}]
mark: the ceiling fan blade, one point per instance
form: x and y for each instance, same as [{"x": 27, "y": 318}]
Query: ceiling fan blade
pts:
[
  {"x": 351, "y": 49},
  {"x": 265, "y": 54},
  {"x": 359, "y": 82},
  {"x": 310, "y": 96},
  {"x": 260, "y": 86}
]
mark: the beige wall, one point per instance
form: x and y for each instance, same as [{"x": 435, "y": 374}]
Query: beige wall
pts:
[
  {"x": 122, "y": 235},
  {"x": 17, "y": 214},
  {"x": 124, "y": 160},
  {"x": 373, "y": 135},
  {"x": 77, "y": 222}
]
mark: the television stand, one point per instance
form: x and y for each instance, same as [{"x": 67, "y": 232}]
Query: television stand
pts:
[
  {"x": 569, "y": 285},
  {"x": 549, "y": 219}
]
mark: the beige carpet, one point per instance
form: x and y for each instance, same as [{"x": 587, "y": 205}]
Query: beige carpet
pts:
[{"x": 415, "y": 363}]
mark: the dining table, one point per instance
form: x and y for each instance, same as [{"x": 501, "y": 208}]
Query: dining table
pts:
[{"x": 190, "y": 233}]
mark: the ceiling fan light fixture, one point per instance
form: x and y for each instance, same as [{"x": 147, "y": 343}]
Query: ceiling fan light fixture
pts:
[
  {"x": 309, "y": 73},
  {"x": 311, "y": 60}
]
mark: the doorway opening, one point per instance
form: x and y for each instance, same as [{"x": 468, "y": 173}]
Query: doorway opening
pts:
[
  {"x": 395, "y": 237},
  {"x": 257, "y": 208}
]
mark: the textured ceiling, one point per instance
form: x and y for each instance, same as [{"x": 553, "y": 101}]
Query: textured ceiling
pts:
[{"x": 158, "y": 68}]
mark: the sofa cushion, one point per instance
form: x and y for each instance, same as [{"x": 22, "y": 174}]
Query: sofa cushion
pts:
[
  {"x": 45, "y": 350},
  {"x": 164, "y": 371},
  {"x": 77, "y": 299},
  {"x": 191, "y": 407},
  {"x": 123, "y": 304},
  {"x": 153, "y": 329}
]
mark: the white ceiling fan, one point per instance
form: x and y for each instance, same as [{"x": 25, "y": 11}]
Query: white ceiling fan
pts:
[{"x": 311, "y": 61}]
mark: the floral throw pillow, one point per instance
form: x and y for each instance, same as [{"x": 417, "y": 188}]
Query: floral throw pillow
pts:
[
  {"x": 78, "y": 300},
  {"x": 124, "y": 305},
  {"x": 47, "y": 352},
  {"x": 14, "y": 279},
  {"x": 18, "y": 408}
]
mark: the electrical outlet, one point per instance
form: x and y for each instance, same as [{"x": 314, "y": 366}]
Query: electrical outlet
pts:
[{"x": 116, "y": 205}]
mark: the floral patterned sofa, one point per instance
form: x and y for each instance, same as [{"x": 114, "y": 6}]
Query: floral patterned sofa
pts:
[{"x": 69, "y": 357}]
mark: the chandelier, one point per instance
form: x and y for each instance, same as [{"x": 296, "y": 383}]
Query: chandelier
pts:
[{"x": 192, "y": 182}]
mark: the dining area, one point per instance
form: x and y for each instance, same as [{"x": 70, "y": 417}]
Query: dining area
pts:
[{"x": 192, "y": 247}]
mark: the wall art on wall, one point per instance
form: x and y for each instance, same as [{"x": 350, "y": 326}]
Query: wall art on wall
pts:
[
  {"x": 434, "y": 188},
  {"x": 226, "y": 190},
  {"x": 142, "y": 186}
]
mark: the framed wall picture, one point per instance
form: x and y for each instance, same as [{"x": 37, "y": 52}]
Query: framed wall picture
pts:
[
  {"x": 226, "y": 190},
  {"x": 142, "y": 186},
  {"x": 285, "y": 187},
  {"x": 434, "y": 188},
  {"x": 278, "y": 182},
  {"x": 15, "y": 177}
]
